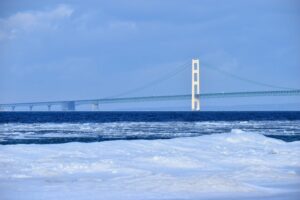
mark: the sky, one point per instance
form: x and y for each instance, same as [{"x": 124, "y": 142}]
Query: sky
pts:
[{"x": 65, "y": 50}]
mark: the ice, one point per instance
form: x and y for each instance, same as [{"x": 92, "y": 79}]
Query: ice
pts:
[
  {"x": 12, "y": 133},
  {"x": 220, "y": 166}
]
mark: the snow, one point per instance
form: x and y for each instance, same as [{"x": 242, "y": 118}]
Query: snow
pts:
[{"x": 231, "y": 165}]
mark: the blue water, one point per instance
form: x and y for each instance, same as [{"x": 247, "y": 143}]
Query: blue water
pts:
[{"x": 62, "y": 127}]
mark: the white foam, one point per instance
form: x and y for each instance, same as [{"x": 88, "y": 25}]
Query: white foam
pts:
[{"x": 222, "y": 166}]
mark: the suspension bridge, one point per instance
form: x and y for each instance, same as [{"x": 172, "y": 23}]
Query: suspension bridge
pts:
[{"x": 195, "y": 97}]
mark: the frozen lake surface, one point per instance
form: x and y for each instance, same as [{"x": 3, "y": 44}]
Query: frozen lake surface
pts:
[
  {"x": 231, "y": 165},
  {"x": 199, "y": 162}
]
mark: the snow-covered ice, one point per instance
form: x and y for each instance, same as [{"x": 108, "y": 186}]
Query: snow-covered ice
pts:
[{"x": 220, "y": 166}]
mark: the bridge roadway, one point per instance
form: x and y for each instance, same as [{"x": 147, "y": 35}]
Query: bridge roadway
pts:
[{"x": 71, "y": 104}]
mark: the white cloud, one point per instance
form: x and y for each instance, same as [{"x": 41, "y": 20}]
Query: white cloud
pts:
[{"x": 33, "y": 20}]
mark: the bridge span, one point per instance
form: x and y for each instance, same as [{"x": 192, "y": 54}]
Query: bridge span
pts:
[
  {"x": 71, "y": 104},
  {"x": 195, "y": 96}
]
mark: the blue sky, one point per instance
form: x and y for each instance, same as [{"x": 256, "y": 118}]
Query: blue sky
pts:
[{"x": 55, "y": 50}]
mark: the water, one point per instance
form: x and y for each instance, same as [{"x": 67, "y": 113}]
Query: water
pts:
[{"x": 63, "y": 127}]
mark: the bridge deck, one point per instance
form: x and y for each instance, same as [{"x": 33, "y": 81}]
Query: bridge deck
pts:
[{"x": 158, "y": 98}]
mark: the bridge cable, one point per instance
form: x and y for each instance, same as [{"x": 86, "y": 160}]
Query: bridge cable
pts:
[
  {"x": 164, "y": 78},
  {"x": 226, "y": 73}
]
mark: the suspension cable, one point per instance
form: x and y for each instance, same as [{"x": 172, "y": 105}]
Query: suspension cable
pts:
[
  {"x": 164, "y": 78},
  {"x": 185, "y": 66},
  {"x": 226, "y": 73}
]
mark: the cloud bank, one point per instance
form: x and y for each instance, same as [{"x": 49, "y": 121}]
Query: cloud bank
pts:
[{"x": 33, "y": 20}]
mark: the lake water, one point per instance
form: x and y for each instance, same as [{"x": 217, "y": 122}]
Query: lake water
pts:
[{"x": 62, "y": 127}]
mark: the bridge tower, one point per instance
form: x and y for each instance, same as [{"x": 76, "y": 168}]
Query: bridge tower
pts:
[{"x": 195, "y": 85}]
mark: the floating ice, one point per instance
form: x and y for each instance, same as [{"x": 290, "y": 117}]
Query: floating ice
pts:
[
  {"x": 232, "y": 165},
  {"x": 15, "y": 133}
]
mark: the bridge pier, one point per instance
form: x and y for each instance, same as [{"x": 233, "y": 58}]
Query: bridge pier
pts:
[
  {"x": 49, "y": 107},
  {"x": 68, "y": 106},
  {"x": 30, "y": 108},
  {"x": 95, "y": 106},
  {"x": 13, "y": 108}
]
